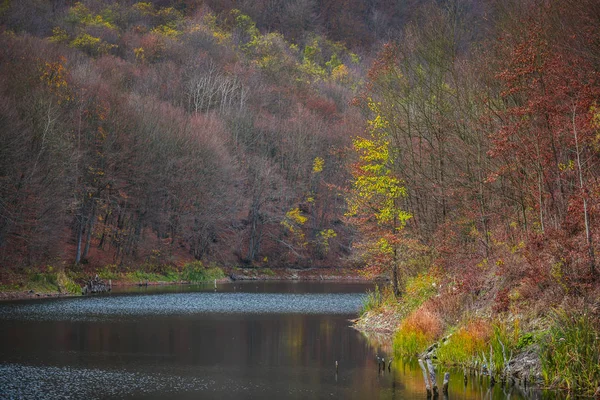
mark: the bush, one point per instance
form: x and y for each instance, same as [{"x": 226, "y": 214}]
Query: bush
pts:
[
  {"x": 50, "y": 281},
  {"x": 483, "y": 342},
  {"x": 420, "y": 329},
  {"x": 466, "y": 344},
  {"x": 419, "y": 289},
  {"x": 197, "y": 272},
  {"x": 570, "y": 353},
  {"x": 39, "y": 281},
  {"x": 142, "y": 276},
  {"x": 109, "y": 271},
  {"x": 66, "y": 284}
]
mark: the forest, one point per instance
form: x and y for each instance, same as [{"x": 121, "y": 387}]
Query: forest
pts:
[{"x": 453, "y": 141}]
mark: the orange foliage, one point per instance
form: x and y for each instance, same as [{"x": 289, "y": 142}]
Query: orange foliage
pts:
[{"x": 425, "y": 322}]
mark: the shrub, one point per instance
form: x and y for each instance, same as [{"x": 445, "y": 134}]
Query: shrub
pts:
[
  {"x": 39, "y": 281},
  {"x": 49, "y": 280},
  {"x": 197, "y": 272},
  {"x": 66, "y": 284},
  {"x": 570, "y": 353},
  {"x": 466, "y": 344},
  {"x": 109, "y": 271},
  {"x": 419, "y": 289},
  {"x": 420, "y": 329}
]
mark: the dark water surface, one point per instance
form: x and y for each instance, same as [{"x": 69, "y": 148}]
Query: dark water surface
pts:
[{"x": 242, "y": 341}]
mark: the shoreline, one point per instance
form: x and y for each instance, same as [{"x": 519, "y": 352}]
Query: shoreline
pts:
[{"x": 347, "y": 275}]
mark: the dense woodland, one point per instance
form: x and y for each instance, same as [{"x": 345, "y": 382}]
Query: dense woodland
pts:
[{"x": 459, "y": 135}]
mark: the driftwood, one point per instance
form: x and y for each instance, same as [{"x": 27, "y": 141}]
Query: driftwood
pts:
[
  {"x": 425, "y": 378},
  {"x": 446, "y": 382},
  {"x": 96, "y": 285},
  {"x": 432, "y": 377}
]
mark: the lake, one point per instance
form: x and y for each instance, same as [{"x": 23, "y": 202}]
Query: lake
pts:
[{"x": 250, "y": 340}]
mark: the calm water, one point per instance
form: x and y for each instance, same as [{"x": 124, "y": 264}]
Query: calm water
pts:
[{"x": 242, "y": 341}]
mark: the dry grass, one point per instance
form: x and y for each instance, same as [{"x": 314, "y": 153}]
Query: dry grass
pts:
[{"x": 420, "y": 329}]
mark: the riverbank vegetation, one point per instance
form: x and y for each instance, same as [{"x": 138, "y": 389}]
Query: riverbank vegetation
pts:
[
  {"x": 53, "y": 281},
  {"x": 452, "y": 147}
]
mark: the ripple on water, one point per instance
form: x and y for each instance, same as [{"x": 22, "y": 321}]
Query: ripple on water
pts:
[
  {"x": 94, "y": 308},
  {"x": 31, "y": 382}
]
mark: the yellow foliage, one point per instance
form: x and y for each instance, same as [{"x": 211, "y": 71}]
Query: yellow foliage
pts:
[
  {"x": 324, "y": 237},
  {"x": 91, "y": 44},
  {"x": 169, "y": 14},
  {"x": 144, "y": 8},
  {"x": 80, "y": 14},
  {"x": 59, "y": 35},
  {"x": 570, "y": 166},
  {"x": 98, "y": 20},
  {"x": 222, "y": 37},
  {"x": 219, "y": 34},
  {"x": 139, "y": 54},
  {"x": 318, "y": 164},
  {"x": 53, "y": 74},
  {"x": 313, "y": 70},
  {"x": 293, "y": 221},
  {"x": 328, "y": 234},
  {"x": 166, "y": 31},
  {"x": 296, "y": 216},
  {"x": 84, "y": 41},
  {"x": 340, "y": 73}
]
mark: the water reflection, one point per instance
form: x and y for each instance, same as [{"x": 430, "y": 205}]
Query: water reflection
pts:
[{"x": 237, "y": 355}]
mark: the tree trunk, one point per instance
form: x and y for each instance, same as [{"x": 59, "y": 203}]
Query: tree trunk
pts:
[
  {"x": 395, "y": 284},
  {"x": 79, "y": 240},
  {"x": 90, "y": 228},
  {"x": 586, "y": 215}
]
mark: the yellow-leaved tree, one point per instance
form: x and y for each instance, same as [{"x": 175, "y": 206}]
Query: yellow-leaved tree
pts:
[{"x": 375, "y": 203}]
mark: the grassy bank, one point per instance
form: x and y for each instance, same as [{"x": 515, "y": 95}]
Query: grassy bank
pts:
[
  {"x": 53, "y": 281},
  {"x": 557, "y": 348},
  {"x": 193, "y": 272},
  {"x": 46, "y": 281}
]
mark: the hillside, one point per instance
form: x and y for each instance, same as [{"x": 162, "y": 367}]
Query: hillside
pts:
[{"x": 452, "y": 146}]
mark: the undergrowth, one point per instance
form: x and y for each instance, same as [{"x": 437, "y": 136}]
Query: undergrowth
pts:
[
  {"x": 416, "y": 332},
  {"x": 51, "y": 280},
  {"x": 191, "y": 272},
  {"x": 197, "y": 272},
  {"x": 418, "y": 290},
  {"x": 378, "y": 299},
  {"x": 466, "y": 344},
  {"x": 66, "y": 284},
  {"x": 481, "y": 342},
  {"x": 570, "y": 352}
]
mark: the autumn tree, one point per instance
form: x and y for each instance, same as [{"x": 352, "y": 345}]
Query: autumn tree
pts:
[{"x": 375, "y": 202}]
